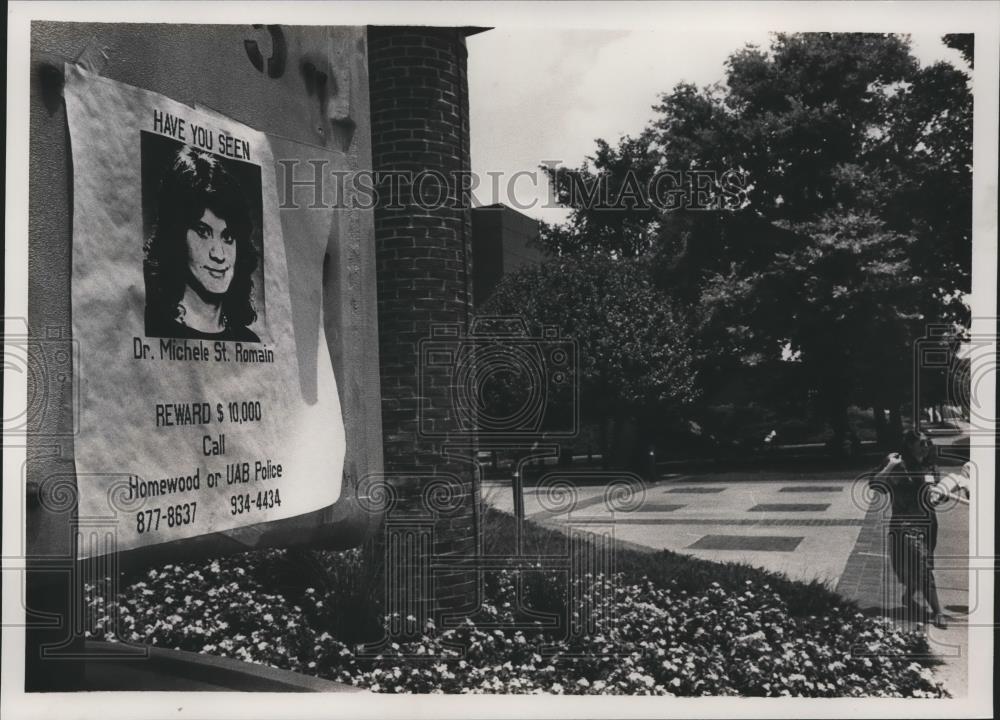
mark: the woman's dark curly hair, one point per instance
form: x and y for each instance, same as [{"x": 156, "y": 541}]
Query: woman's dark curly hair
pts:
[
  {"x": 194, "y": 182},
  {"x": 910, "y": 437}
]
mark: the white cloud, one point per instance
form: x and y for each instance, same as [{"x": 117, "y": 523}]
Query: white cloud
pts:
[{"x": 547, "y": 94}]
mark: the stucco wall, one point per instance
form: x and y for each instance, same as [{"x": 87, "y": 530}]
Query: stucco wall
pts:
[{"x": 307, "y": 84}]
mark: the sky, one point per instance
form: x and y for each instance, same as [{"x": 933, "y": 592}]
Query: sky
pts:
[{"x": 540, "y": 95}]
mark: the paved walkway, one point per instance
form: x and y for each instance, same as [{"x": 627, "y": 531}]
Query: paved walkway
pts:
[
  {"x": 809, "y": 526},
  {"x": 803, "y": 525}
]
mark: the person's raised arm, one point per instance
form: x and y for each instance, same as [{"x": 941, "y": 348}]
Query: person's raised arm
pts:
[
  {"x": 882, "y": 479},
  {"x": 893, "y": 463}
]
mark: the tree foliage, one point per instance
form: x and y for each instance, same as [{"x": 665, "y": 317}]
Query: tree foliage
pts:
[
  {"x": 634, "y": 352},
  {"x": 857, "y": 163}
]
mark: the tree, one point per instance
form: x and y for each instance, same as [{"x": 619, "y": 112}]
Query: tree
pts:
[
  {"x": 849, "y": 148},
  {"x": 925, "y": 169},
  {"x": 633, "y": 349},
  {"x": 965, "y": 43},
  {"x": 610, "y": 209},
  {"x": 845, "y": 302}
]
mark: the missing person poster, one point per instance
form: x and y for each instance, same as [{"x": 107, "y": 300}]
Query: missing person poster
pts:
[{"x": 194, "y": 413}]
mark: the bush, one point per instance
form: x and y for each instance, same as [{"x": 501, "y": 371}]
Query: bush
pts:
[
  {"x": 646, "y": 639},
  {"x": 658, "y": 642}
]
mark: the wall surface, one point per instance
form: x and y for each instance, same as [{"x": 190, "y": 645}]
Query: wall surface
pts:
[
  {"x": 501, "y": 243},
  {"x": 306, "y": 84}
]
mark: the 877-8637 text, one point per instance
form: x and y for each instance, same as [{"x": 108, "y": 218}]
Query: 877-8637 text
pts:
[{"x": 155, "y": 519}]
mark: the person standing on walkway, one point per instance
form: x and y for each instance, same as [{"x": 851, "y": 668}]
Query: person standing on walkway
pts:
[{"x": 911, "y": 479}]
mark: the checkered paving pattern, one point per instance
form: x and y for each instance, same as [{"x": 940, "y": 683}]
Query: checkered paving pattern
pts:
[
  {"x": 696, "y": 490},
  {"x": 812, "y": 488},
  {"x": 630, "y": 519},
  {"x": 652, "y": 507},
  {"x": 756, "y": 543},
  {"x": 790, "y": 507}
]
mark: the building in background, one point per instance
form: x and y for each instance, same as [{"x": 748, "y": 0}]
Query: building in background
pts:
[{"x": 503, "y": 240}]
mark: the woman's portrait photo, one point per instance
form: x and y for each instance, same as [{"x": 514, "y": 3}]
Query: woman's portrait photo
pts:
[{"x": 203, "y": 251}]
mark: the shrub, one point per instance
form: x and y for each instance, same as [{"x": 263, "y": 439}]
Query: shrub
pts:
[{"x": 626, "y": 637}]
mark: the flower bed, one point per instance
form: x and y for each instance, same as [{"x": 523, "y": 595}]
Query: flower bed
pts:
[
  {"x": 664, "y": 568},
  {"x": 634, "y": 637}
]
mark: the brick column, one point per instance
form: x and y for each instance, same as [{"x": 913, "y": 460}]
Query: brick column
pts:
[{"x": 420, "y": 124}]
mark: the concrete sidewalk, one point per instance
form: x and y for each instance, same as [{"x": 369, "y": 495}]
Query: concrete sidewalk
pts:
[{"x": 801, "y": 524}]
